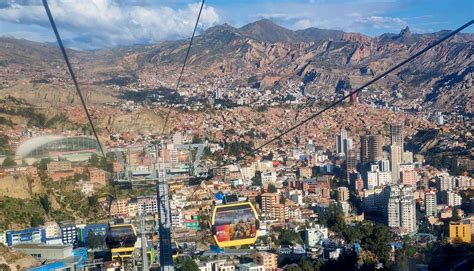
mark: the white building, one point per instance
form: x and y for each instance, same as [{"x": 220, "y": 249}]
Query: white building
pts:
[
  {"x": 453, "y": 199},
  {"x": 444, "y": 181},
  {"x": 401, "y": 208},
  {"x": 3, "y": 238},
  {"x": 269, "y": 177},
  {"x": 52, "y": 233},
  {"x": 407, "y": 157},
  {"x": 395, "y": 160},
  {"x": 374, "y": 199},
  {"x": 384, "y": 178},
  {"x": 384, "y": 165},
  {"x": 296, "y": 196},
  {"x": 315, "y": 235},
  {"x": 251, "y": 267},
  {"x": 431, "y": 203}
]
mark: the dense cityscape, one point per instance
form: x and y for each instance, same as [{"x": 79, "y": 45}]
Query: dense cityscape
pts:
[{"x": 265, "y": 157}]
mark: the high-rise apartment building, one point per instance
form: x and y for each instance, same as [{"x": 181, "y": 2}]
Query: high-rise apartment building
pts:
[
  {"x": 452, "y": 198},
  {"x": 343, "y": 143},
  {"x": 371, "y": 148},
  {"x": 401, "y": 208},
  {"x": 396, "y": 135},
  {"x": 342, "y": 193},
  {"x": 430, "y": 203},
  {"x": 267, "y": 259},
  {"x": 352, "y": 159},
  {"x": 409, "y": 177},
  {"x": 271, "y": 206},
  {"x": 395, "y": 160}
]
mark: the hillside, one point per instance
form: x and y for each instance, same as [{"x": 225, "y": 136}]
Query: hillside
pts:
[{"x": 267, "y": 55}]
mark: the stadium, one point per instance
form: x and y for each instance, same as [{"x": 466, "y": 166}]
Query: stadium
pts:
[{"x": 74, "y": 148}]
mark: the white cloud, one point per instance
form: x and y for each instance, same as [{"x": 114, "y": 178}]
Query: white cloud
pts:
[
  {"x": 380, "y": 22},
  {"x": 106, "y": 23}
]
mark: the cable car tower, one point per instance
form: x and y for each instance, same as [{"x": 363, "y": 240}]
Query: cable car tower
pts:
[{"x": 164, "y": 213}]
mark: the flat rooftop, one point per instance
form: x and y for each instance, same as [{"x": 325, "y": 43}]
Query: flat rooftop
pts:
[{"x": 40, "y": 246}]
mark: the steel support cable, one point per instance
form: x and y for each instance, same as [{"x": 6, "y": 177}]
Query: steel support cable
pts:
[
  {"x": 184, "y": 65},
  {"x": 416, "y": 55},
  {"x": 73, "y": 76}
]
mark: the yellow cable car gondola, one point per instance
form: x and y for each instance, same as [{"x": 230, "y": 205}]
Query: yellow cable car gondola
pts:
[
  {"x": 234, "y": 224},
  {"x": 121, "y": 241}
]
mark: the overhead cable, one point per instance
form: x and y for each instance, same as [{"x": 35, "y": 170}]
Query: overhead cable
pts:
[
  {"x": 382, "y": 75},
  {"x": 73, "y": 76},
  {"x": 184, "y": 65}
]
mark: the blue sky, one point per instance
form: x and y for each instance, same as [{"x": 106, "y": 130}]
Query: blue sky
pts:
[{"x": 91, "y": 24}]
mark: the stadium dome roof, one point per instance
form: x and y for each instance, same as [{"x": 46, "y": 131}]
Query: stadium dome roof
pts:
[{"x": 36, "y": 143}]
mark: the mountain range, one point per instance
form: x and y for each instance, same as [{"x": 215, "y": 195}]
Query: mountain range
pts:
[{"x": 265, "y": 55}]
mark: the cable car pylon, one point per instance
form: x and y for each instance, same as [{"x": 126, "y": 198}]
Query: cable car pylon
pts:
[{"x": 164, "y": 212}]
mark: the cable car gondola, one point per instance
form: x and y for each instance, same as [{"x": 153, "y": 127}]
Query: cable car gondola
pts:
[
  {"x": 121, "y": 241},
  {"x": 234, "y": 224}
]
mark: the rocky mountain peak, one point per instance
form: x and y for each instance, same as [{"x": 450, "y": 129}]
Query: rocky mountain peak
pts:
[{"x": 405, "y": 33}]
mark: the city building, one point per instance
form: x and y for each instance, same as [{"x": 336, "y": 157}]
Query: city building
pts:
[
  {"x": 452, "y": 198},
  {"x": 251, "y": 267},
  {"x": 3, "y": 238},
  {"x": 371, "y": 148},
  {"x": 373, "y": 199},
  {"x": 84, "y": 230},
  {"x": 396, "y": 135},
  {"x": 147, "y": 205},
  {"x": 431, "y": 203},
  {"x": 45, "y": 252},
  {"x": 342, "y": 193},
  {"x": 444, "y": 182},
  {"x": 52, "y": 233},
  {"x": 401, "y": 208},
  {"x": 29, "y": 235},
  {"x": 315, "y": 235},
  {"x": 395, "y": 161},
  {"x": 296, "y": 196},
  {"x": 460, "y": 231},
  {"x": 119, "y": 208},
  {"x": 343, "y": 143},
  {"x": 61, "y": 165},
  {"x": 267, "y": 259},
  {"x": 98, "y": 176},
  {"x": 352, "y": 159},
  {"x": 384, "y": 165},
  {"x": 269, "y": 201},
  {"x": 407, "y": 157},
  {"x": 409, "y": 177},
  {"x": 68, "y": 233}
]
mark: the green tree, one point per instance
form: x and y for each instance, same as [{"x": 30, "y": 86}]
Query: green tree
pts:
[
  {"x": 94, "y": 160},
  {"x": 455, "y": 216},
  {"x": 93, "y": 240},
  {"x": 92, "y": 200},
  {"x": 271, "y": 188},
  {"x": 5, "y": 147},
  {"x": 306, "y": 265},
  {"x": 288, "y": 237},
  {"x": 44, "y": 200},
  {"x": 4, "y": 267},
  {"x": 186, "y": 263},
  {"x": 330, "y": 216},
  {"x": 9, "y": 162},
  {"x": 257, "y": 179},
  {"x": 292, "y": 268},
  {"x": 196, "y": 139},
  {"x": 36, "y": 221}
]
